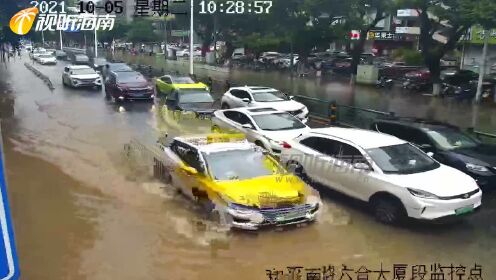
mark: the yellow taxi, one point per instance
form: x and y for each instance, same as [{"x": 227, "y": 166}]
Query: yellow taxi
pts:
[
  {"x": 237, "y": 183},
  {"x": 167, "y": 84}
]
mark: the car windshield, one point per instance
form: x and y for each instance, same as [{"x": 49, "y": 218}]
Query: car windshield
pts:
[
  {"x": 84, "y": 71},
  {"x": 269, "y": 96},
  {"x": 225, "y": 165},
  {"x": 278, "y": 121},
  {"x": 130, "y": 77},
  {"x": 182, "y": 80},
  {"x": 195, "y": 97},
  {"x": 451, "y": 139},
  {"x": 119, "y": 67},
  {"x": 402, "y": 159}
]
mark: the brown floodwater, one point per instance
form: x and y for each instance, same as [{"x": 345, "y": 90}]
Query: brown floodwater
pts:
[{"x": 82, "y": 211}]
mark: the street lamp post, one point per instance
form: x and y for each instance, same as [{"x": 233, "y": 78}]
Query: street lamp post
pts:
[{"x": 191, "y": 39}]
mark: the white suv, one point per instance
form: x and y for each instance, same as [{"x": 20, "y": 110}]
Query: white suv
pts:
[
  {"x": 263, "y": 97},
  {"x": 266, "y": 127},
  {"x": 396, "y": 178},
  {"x": 81, "y": 76}
]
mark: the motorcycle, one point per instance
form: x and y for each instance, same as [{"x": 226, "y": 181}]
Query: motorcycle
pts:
[{"x": 384, "y": 82}]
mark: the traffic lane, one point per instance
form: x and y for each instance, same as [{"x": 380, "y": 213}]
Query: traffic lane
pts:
[{"x": 86, "y": 133}]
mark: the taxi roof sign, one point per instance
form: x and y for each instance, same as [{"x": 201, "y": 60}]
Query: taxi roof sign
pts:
[
  {"x": 216, "y": 138},
  {"x": 9, "y": 266}
]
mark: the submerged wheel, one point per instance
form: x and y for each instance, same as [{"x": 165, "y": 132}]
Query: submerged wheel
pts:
[
  {"x": 298, "y": 170},
  {"x": 388, "y": 209}
]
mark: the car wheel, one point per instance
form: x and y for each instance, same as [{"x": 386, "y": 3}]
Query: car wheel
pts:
[
  {"x": 388, "y": 209},
  {"x": 63, "y": 83},
  {"x": 225, "y": 106}
]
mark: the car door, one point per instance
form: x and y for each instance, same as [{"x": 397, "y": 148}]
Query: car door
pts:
[
  {"x": 64, "y": 75},
  {"x": 172, "y": 100},
  {"x": 166, "y": 85},
  {"x": 190, "y": 157},
  {"x": 358, "y": 183},
  {"x": 110, "y": 84},
  {"x": 244, "y": 95},
  {"x": 320, "y": 161},
  {"x": 251, "y": 133}
]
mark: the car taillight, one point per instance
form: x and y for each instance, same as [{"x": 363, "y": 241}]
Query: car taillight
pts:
[{"x": 285, "y": 145}]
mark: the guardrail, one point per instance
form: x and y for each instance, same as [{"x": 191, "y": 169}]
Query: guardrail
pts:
[
  {"x": 351, "y": 116},
  {"x": 483, "y": 136},
  {"x": 40, "y": 75}
]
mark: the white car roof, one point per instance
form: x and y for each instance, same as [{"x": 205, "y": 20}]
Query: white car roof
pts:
[
  {"x": 254, "y": 88},
  {"x": 200, "y": 142},
  {"x": 366, "y": 139},
  {"x": 74, "y": 67},
  {"x": 253, "y": 111}
]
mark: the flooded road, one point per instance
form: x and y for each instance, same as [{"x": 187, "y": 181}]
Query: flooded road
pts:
[{"x": 80, "y": 212}]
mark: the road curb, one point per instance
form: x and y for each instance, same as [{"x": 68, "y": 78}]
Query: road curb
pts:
[{"x": 40, "y": 75}]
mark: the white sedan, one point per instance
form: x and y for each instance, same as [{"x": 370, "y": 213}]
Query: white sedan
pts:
[
  {"x": 46, "y": 58},
  {"x": 266, "y": 127},
  {"x": 263, "y": 97},
  {"x": 396, "y": 178}
]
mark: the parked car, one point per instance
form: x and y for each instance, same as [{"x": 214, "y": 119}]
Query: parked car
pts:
[
  {"x": 59, "y": 54},
  {"x": 35, "y": 54},
  {"x": 197, "y": 100},
  {"x": 185, "y": 52},
  {"x": 448, "y": 145},
  {"x": 81, "y": 76},
  {"x": 46, "y": 58},
  {"x": 266, "y": 127},
  {"x": 115, "y": 67},
  {"x": 80, "y": 59},
  {"x": 128, "y": 85},
  {"x": 394, "y": 177},
  {"x": 419, "y": 80},
  {"x": 249, "y": 96}
]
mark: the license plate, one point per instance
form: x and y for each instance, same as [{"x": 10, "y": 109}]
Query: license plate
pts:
[
  {"x": 464, "y": 210},
  {"x": 286, "y": 217}
]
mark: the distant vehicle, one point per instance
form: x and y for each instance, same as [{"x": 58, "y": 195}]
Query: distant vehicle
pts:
[
  {"x": 167, "y": 84},
  {"x": 394, "y": 177},
  {"x": 46, "y": 58},
  {"x": 98, "y": 63},
  {"x": 266, "y": 127},
  {"x": 268, "y": 57},
  {"x": 419, "y": 80},
  {"x": 185, "y": 52},
  {"x": 35, "y": 54},
  {"x": 51, "y": 51},
  {"x": 128, "y": 85},
  {"x": 447, "y": 144},
  {"x": 263, "y": 97},
  {"x": 81, "y": 76},
  {"x": 236, "y": 183},
  {"x": 194, "y": 100},
  {"x": 458, "y": 77},
  {"x": 238, "y": 53},
  {"x": 59, "y": 54},
  {"x": 80, "y": 59},
  {"x": 449, "y": 61},
  {"x": 115, "y": 67}
]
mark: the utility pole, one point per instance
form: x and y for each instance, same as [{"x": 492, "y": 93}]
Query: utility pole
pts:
[
  {"x": 482, "y": 66},
  {"x": 42, "y": 39},
  {"x": 191, "y": 39},
  {"x": 60, "y": 36}
]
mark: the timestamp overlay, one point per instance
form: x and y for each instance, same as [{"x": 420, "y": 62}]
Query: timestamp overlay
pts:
[{"x": 235, "y": 7}]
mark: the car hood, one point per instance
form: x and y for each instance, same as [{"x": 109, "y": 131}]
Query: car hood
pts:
[
  {"x": 203, "y": 107},
  {"x": 135, "y": 84},
  {"x": 443, "y": 181},
  {"x": 289, "y": 105},
  {"x": 285, "y": 135},
  {"x": 85, "y": 76},
  {"x": 483, "y": 154},
  {"x": 280, "y": 189}
]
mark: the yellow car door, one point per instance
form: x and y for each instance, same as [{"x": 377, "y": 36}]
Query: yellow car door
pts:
[
  {"x": 164, "y": 85},
  {"x": 190, "y": 174}
]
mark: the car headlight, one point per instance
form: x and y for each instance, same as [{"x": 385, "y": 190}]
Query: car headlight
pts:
[
  {"x": 422, "y": 194},
  {"x": 476, "y": 167}
]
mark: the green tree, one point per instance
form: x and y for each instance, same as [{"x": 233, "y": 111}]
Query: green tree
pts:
[{"x": 141, "y": 30}]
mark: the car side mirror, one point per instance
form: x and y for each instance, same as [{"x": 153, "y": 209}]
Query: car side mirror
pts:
[
  {"x": 247, "y": 126},
  {"x": 189, "y": 170},
  {"x": 246, "y": 100},
  {"x": 431, "y": 154},
  {"x": 361, "y": 166},
  {"x": 291, "y": 97}
]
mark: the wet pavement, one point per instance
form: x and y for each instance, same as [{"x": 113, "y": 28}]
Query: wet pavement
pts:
[{"x": 81, "y": 211}]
